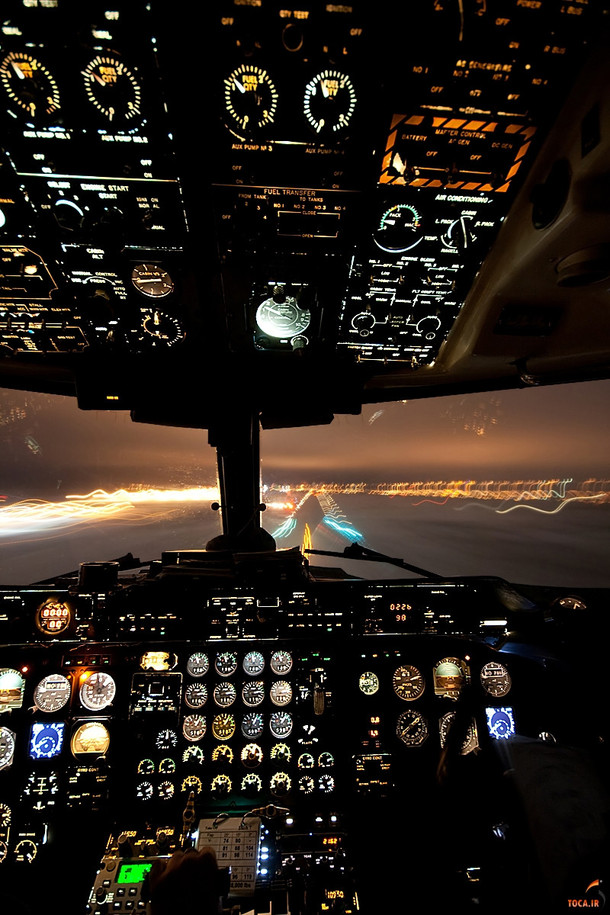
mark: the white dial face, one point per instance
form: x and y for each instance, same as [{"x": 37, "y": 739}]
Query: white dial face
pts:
[
  {"x": 97, "y": 691},
  {"x": 7, "y": 747},
  {"x": 281, "y": 692},
  {"x": 280, "y": 316},
  {"x": 52, "y": 693},
  {"x": 198, "y": 664}
]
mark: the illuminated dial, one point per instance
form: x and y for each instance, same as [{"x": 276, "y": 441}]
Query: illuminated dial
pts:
[
  {"x": 459, "y": 235},
  {"x": 281, "y": 692},
  {"x": 194, "y": 727},
  {"x": 193, "y": 754},
  {"x": 146, "y": 767},
  {"x": 251, "y": 755},
  {"x": 3, "y": 850},
  {"x": 53, "y": 616},
  {"x": 144, "y": 791},
  {"x": 330, "y": 101},
  {"x": 224, "y": 694},
  {"x": 400, "y": 229},
  {"x": 226, "y": 663},
  {"x": 326, "y": 783},
  {"x": 223, "y": 753},
  {"x": 113, "y": 89},
  {"x": 223, "y": 726},
  {"x": 12, "y": 686},
  {"x": 326, "y": 760},
  {"x": 162, "y": 327},
  {"x": 280, "y": 724},
  {"x": 196, "y": 695},
  {"x": 281, "y": 752},
  {"x": 251, "y": 783},
  {"x": 29, "y": 85},
  {"x": 306, "y": 784},
  {"x": 253, "y": 663},
  {"x": 192, "y": 783},
  {"x": 152, "y": 280},
  {"x": 280, "y": 783},
  {"x": 281, "y": 316},
  {"x": 495, "y": 679},
  {"x": 306, "y": 761},
  {"x": 167, "y": 766},
  {"x": 408, "y": 682},
  {"x": 500, "y": 722},
  {"x": 166, "y": 790},
  {"x": 471, "y": 741},
  {"x": 97, "y": 691},
  {"x": 221, "y": 784},
  {"x": 7, "y": 747},
  {"x": 368, "y": 683},
  {"x": 198, "y": 664},
  {"x": 411, "y": 728},
  {"x": 90, "y": 738},
  {"x": 46, "y": 739},
  {"x": 5, "y": 815},
  {"x": 450, "y": 674},
  {"x": 281, "y": 662},
  {"x": 166, "y": 739},
  {"x": 25, "y": 850},
  {"x": 253, "y": 692},
  {"x": 250, "y": 99},
  {"x": 252, "y": 725}
]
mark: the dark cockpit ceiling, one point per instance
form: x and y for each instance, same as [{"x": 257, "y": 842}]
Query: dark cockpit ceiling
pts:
[{"x": 304, "y": 208}]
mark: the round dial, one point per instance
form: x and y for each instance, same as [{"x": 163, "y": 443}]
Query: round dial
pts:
[
  {"x": 29, "y": 85},
  {"x": 280, "y": 783},
  {"x": 5, "y": 815},
  {"x": 198, "y": 664},
  {"x": 253, "y": 663},
  {"x": 471, "y": 741},
  {"x": 221, "y": 784},
  {"x": 280, "y": 724},
  {"x": 251, "y": 755},
  {"x": 144, "y": 791},
  {"x": 253, "y": 692},
  {"x": 223, "y": 753},
  {"x": 400, "y": 229},
  {"x": 193, "y": 755},
  {"x": 411, "y": 728},
  {"x": 330, "y": 101},
  {"x": 281, "y": 316},
  {"x": 162, "y": 327},
  {"x": 167, "y": 766},
  {"x": 281, "y": 692},
  {"x": 306, "y": 761},
  {"x": 306, "y": 784},
  {"x": 326, "y": 760},
  {"x": 250, "y": 99},
  {"x": 281, "y": 753},
  {"x": 53, "y": 616},
  {"x": 113, "y": 89},
  {"x": 7, "y": 747},
  {"x": 252, "y": 725},
  {"x": 166, "y": 739},
  {"x": 495, "y": 679},
  {"x": 146, "y": 767},
  {"x": 194, "y": 727},
  {"x": 26, "y": 850},
  {"x": 251, "y": 783},
  {"x": 449, "y": 676},
  {"x": 89, "y": 738},
  {"x": 192, "y": 783},
  {"x": 224, "y": 694},
  {"x": 152, "y": 280},
  {"x": 166, "y": 790},
  {"x": 97, "y": 691},
  {"x": 225, "y": 663},
  {"x": 408, "y": 682},
  {"x": 368, "y": 683},
  {"x": 281, "y": 662},
  {"x": 223, "y": 726},
  {"x": 326, "y": 783},
  {"x": 196, "y": 695}
]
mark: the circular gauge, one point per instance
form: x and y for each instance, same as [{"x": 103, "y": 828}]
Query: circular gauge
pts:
[
  {"x": 326, "y": 783},
  {"x": 471, "y": 741},
  {"x": 25, "y": 850},
  {"x": 224, "y": 694},
  {"x": 198, "y": 664},
  {"x": 253, "y": 692},
  {"x": 281, "y": 662},
  {"x": 306, "y": 761},
  {"x": 167, "y": 766},
  {"x": 280, "y": 724},
  {"x": 146, "y": 767},
  {"x": 12, "y": 686},
  {"x": 223, "y": 753},
  {"x": 449, "y": 676},
  {"x": 193, "y": 754},
  {"x": 5, "y": 815},
  {"x": 53, "y": 616},
  {"x": 166, "y": 739},
  {"x": 251, "y": 755},
  {"x": 250, "y": 99},
  {"x": 3, "y": 850},
  {"x": 408, "y": 682},
  {"x": 364, "y": 322},
  {"x": 252, "y": 725},
  {"x": 223, "y": 726},
  {"x": 46, "y": 739},
  {"x": 192, "y": 783},
  {"x": 253, "y": 663},
  {"x": 326, "y": 760},
  {"x": 152, "y": 280},
  {"x": 113, "y": 89},
  {"x": 330, "y": 101},
  {"x": 411, "y": 728},
  {"x": 97, "y": 690},
  {"x": 570, "y": 602},
  {"x": 251, "y": 783},
  {"x": 306, "y": 784},
  {"x": 221, "y": 785},
  {"x": 459, "y": 235},
  {"x": 281, "y": 316},
  {"x": 194, "y": 727},
  {"x": 280, "y": 783},
  {"x": 166, "y": 790},
  {"x": 281, "y": 753},
  {"x": 196, "y": 695},
  {"x": 162, "y": 327},
  {"x": 495, "y": 679},
  {"x": 368, "y": 683},
  {"x": 29, "y": 85},
  {"x": 90, "y": 738},
  {"x": 144, "y": 791},
  {"x": 281, "y": 692},
  {"x": 7, "y": 747},
  {"x": 225, "y": 663},
  {"x": 399, "y": 229}
]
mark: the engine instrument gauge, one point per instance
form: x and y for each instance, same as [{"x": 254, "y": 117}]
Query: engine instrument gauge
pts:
[
  {"x": 495, "y": 679},
  {"x": 192, "y": 783},
  {"x": 25, "y": 850},
  {"x": 280, "y": 724},
  {"x": 166, "y": 739},
  {"x": 250, "y": 99},
  {"x": 196, "y": 695},
  {"x": 281, "y": 753},
  {"x": 167, "y": 766},
  {"x": 411, "y": 728},
  {"x": 280, "y": 783},
  {"x": 251, "y": 783},
  {"x": 193, "y": 754},
  {"x": 144, "y": 791},
  {"x": 221, "y": 784},
  {"x": 326, "y": 760},
  {"x": 253, "y": 663},
  {"x": 166, "y": 790},
  {"x": 281, "y": 662},
  {"x": 223, "y": 753},
  {"x": 152, "y": 280},
  {"x": 97, "y": 690},
  {"x": 194, "y": 727},
  {"x": 90, "y": 739},
  {"x": 306, "y": 761},
  {"x": 329, "y": 102},
  {"x": 280, "y": 692},
  {"x": 399, "y": 229},
  {"x": 253, "y": 692},
  {"x": 224, "y": 694},
  {"x": 408, "y": 682},
  {"x": 146, "y": 767},
  {"x": 252, "y": 725},
  {"x": 7, "y": 747},
  {"x": 251, "y": 755},
  {"x": 29, "y": 85},
  {"x": 198, "y": 664},
  {"x": 471, "y": 741},
  {"x": 368, "y": 683},
  {"x": 223, "y": 726},
  {"x": 326, "y": 783},
  {"x": 113, "y": 89},
  {"x": 225, "y": 663},
  {"x": 5, "y": 815},
  {"x": 281, "y": 316}
]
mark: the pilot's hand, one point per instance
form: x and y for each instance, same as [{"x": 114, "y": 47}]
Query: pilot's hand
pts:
[{"x": 186, "y": 883}]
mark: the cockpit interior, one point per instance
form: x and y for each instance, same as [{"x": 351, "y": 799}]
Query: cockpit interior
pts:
[{"x": 241, "y": 216}]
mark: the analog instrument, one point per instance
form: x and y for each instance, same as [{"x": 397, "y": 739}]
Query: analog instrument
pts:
[
  {"x": 25, "y": 850},
  {"x": 53, "y": 616},
  {"x": 251, "y": 755},
  {"x": 196, "y": 695},
  {"x": 280, "y": 783},
  {"x": 251, "y": 783},
  {"x": 281, "y": 316},
  {"x": 326, "y": 760},
  {"x": 471, "y": 741},
  {"x": 97, "y": 691},
  {"x": 198, "y": 664},
  {"x": 144, "y": 791},
  {"x": 408, "y": 682},
  {"x": 306, "y": 761},
  {"x": 5, "y": 815},
  {"x": 326, "y": 783},
  {"x": 152, "y": 280},
  {"x": 90, "y": 738},
  {"x": 411, "y": 728},
  {"x": 250, "y": 99},
  {"x": 253, "y": 692},
  {"x": 30, "y": 87},
  {"x": 194, "y": 727},
  {"x": 162, "y": 327},
  {"x": 399, "y": 229},
  {"x": 450, "y": 674},
  {"x": 306, "y": 784},
  {"x": 281, "y": 692},
  {"x": 330, "y": 101},
  {"x": 7, "y": 747},
  {"x": 223, "y": 753},
  {"x": 166, "y": 790},
  {"x": 166, "y": 739},
  {"x": 225, "y": 663},
  {"x": 192, "y": 783},
  {"x": 146, "y": 767},
  {"x": 113, "y": 89},
  {"x": 280, "y": 724},
  {"x": 224, "y": 694},
  {"x": 252, "y": 725},
  {"x": 281, "y": 752},
  {"x": 193, "y": 754},
  {"x": 495, "y": 679},
  {"x": 221, "y": 784},
  {"x": 281, "y": 662},
  {"x": 3, "y": 850},
  {"x": 368, "y": 683},
  {"x": 167, "y": 766},
  {"x": 46, "y": 739},
  {"x": 12, "y": 686},
  {"x": 253, "y": 663},
  {"x": 223, "y": 726}
]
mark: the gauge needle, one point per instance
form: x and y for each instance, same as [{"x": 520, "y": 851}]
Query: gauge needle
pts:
[
  {"x": 239, "y": 86},
  {"x": 18, "y": 71}
]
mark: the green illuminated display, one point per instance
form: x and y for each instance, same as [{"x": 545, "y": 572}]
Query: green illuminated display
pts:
[{"x": 134, "y": 872}]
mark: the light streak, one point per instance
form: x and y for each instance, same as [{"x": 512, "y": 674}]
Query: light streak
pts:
[
  {"x": 138, "y": 496},
  {"x": 551, "y": 511},
  {"x": 285, "y": 529}
]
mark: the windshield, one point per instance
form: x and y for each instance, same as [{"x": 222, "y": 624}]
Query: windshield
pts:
[{"x": 512, "y": 483}]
